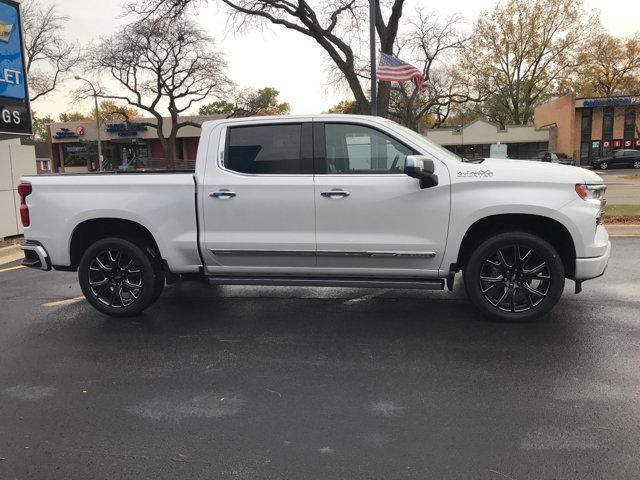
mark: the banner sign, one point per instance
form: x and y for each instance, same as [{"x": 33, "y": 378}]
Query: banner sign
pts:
[{"x": 15, "y": 114}]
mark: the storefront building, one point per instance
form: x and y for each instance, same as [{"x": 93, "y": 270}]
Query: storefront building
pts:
[
  {"x": 126, "y": 145},
  {"x": 475, "y": 140},
  {"x": 591, "y": 128}
]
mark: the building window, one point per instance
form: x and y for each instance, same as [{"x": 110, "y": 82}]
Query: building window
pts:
[
  {"x": 43, "y": 165},
  {"x": 607, "y": 123},
  {"x": 585, "y": 129},
  {"x": 527, "y": 151},
  {"x": 585, "y": 152},
  {"x": 629, "y": 123},
  {"x": 595, "y": 149}
]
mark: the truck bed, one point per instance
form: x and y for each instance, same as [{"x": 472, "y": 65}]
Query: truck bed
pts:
[{"x": 163, "y": 202}]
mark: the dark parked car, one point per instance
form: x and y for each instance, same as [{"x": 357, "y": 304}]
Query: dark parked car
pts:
[
  {"x": 557, "y": 158},
  {"x": 619, "y": 158}
]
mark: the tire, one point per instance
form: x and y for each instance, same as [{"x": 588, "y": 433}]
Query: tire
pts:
[
  {"x": 603, "y": 165},
  {"x": 636, "y": 164},
  {"x": 119, "y": 278},
  {"x": 515, "y": 291}
]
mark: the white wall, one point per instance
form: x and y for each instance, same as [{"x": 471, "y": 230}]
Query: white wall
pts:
[
  {"x": 483, "y": 132},
  {"x": 15, "y": 161}
]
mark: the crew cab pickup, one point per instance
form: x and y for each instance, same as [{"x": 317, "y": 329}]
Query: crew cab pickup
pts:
[{"x": 331, "y": 200}]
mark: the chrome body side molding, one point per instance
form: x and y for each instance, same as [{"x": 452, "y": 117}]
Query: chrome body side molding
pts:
[{"x": 326, "y": 253}]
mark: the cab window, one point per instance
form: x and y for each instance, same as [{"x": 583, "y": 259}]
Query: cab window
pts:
[
  {"x": 359, "y": 150},
  {"x": 265, "y": 149}
]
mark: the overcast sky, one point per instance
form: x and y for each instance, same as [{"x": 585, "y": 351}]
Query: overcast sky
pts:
[{"x": 275, "y": 57}]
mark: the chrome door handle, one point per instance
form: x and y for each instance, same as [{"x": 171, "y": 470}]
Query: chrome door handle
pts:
[
  {"x": 223, "y": 194},
  {"x": 335, "y": 193}
]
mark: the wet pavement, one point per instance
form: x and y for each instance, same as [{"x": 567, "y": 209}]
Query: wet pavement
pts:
[{"x": 287, "y": 383}]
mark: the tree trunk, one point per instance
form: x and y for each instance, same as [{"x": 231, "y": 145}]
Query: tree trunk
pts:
[{"x": 169, "y": 149}]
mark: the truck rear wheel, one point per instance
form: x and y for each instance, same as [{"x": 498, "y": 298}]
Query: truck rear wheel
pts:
[
  {"x": 514, "y": 277},
  {"x": 119, "y": 278}
]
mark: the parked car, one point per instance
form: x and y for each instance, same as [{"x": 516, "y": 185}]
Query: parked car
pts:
[
  {"x": 335, "y": 200},
  {"x": 619, "y": 158},
  {"x": 562, "y": 158}
]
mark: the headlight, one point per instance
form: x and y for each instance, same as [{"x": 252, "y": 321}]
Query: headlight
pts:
[{"x": 591, "y": 192}]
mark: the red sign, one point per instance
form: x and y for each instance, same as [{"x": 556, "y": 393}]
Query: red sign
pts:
[
  {"x": 606, "y": 144},
  {"x": 617, "y": 143},
  {"x": 638, "y": 143},
  {"x": 628, "y": 143},
  {"x": 80, "y": 130}
]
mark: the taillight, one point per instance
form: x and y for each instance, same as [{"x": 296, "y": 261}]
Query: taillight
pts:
[{"x": 24, "y": 190}]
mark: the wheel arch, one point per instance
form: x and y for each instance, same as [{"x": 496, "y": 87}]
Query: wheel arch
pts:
[
  {"x": 549, "y": 229},
  {"x": 90, "y": 231}
]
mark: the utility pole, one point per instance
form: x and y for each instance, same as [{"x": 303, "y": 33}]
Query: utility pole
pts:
[
  {"x": 95, "y": 99},
  {"x": 372, "y": 46}
]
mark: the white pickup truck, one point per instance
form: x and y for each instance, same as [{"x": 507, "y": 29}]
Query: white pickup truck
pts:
[{"x": 331, "y": 200}]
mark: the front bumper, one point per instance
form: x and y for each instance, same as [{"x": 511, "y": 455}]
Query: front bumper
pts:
[
  {"x": 592, "y": 267},
  {"x": 35, "y": 256}
]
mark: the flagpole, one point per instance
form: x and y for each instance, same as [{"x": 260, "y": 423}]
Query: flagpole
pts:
[{"x": 372, "y": 45}]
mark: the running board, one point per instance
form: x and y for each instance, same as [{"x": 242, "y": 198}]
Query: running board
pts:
[{"x": 349, "y": 282}]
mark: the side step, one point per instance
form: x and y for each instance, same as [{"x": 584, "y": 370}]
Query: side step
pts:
[{"x": 349, "y": 282}]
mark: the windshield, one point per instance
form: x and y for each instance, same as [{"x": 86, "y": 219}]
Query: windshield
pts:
[{"x": 439, "y": 149}]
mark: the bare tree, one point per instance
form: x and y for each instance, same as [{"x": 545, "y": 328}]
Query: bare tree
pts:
[
  {"x": 162, "y": 65},
  {"x": 433, "y": 43},
  {"x": 249, "y": 103},
  {"x": 49, "y": 58},
  {"x": 159, "y": 8},
  {"x": 337, "y": 26}
]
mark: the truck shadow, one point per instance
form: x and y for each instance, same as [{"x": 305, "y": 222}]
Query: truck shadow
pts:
[{"x": 244, "y": 313}]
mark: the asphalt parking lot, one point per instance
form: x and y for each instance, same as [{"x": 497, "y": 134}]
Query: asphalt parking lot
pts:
[{"x": 292, "y": 383}]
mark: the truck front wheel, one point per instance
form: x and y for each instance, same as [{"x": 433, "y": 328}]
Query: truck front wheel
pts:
[
  {"x": 119, "y": 278},
  {"x": 514, "y": 277}
]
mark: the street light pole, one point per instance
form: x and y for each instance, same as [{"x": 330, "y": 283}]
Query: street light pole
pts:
[
  {"x": 372, "y": 46},
  {"x": 95, "y": 99}
]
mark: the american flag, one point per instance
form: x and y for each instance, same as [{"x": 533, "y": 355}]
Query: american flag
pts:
[{"x": 393, "y": 69}]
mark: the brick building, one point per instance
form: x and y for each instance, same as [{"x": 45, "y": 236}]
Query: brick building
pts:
[{"x": 590, "y": 128}]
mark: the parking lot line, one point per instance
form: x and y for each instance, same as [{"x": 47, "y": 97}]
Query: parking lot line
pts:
[
  {"x": 8, "y": 269},
  {"x": 63, "y": 302}
]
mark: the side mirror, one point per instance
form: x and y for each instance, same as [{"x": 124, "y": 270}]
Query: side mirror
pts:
[{"x": 422, "y": 168}]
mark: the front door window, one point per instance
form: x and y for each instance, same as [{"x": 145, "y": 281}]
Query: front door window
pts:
[{"x": 359, "y": 150}]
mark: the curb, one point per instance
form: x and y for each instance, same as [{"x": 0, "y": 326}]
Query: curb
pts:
[
  {"x": 10, "y": 254},
  {"x": 623, "y": 230}
]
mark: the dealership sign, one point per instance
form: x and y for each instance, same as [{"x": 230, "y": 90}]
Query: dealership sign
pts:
[
  {"x": 607, "y": 102},
  {"x": 65, "y": 133},
  {"x": 15, "y": 114},
  {"x": 126, "y": 129}
]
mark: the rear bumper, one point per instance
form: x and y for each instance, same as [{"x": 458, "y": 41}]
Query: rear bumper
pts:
[
  {"x": 587, "y": 268},
  {"x": 35, "y": 256}
]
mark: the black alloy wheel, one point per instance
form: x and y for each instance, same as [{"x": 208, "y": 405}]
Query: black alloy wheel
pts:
[
  {"x": 514, "y": 276},
  {"x": 120, "y": 278},
  {"x": 115, "y": 278}
]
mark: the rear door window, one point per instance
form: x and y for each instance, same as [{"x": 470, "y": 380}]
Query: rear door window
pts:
[{"x": 266, "y": 150}]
